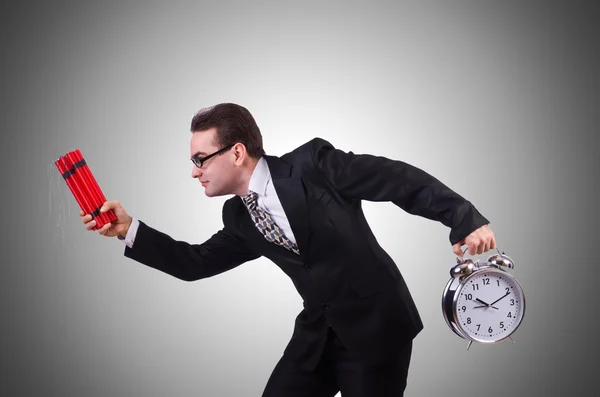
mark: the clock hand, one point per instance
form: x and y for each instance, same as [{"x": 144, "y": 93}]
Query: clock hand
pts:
[
  {"x": 493, "y": 307},
  {"x": 479, "y": 300},
  {"x": 505, "y": 295},
  {"x": 486, "y": 304}
]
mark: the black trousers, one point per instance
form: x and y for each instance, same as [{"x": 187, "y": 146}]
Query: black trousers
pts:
[{"x": 337, "y": 371}]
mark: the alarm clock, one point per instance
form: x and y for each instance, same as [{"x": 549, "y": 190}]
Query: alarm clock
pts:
[{"x": 482, "y": 301}]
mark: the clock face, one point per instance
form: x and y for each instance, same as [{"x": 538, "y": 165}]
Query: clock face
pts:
[{"x": 489, "y": 306}]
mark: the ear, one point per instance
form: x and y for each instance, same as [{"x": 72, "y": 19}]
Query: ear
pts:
[{"x": 239, "y": 151}]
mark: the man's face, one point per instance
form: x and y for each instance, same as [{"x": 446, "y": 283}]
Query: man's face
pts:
[{"x": 217, "y": 174}]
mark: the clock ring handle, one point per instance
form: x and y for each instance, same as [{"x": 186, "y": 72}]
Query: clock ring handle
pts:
[{"x": 501, "y": 260}]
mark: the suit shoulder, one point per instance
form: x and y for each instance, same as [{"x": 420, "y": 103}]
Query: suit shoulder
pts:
[
  {"x": 230, "y": 208},
  {"x": 315, "y": 144},
  {"x": 227, "y": 205},
  {"x": 308, "y": 149},
  {"x": 305, "y": 159}
]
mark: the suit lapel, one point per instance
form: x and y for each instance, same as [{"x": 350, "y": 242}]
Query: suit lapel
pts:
[{"x": 291, "y": 194}]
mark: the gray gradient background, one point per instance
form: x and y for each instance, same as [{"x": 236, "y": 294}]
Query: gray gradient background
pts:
[{"x": 498, "y": 101}]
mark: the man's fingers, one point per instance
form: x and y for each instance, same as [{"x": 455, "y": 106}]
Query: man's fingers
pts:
[
  {"x": 472, "y": 249},
  {"x": 109, "y": 205},
  {"x": 456, "y": 248},
  {"x": 470, "y": 241},
  {"x": 104, "y": 229},
  {"x": 90, "y": 225},
  {"x": 479, "y": 241}
]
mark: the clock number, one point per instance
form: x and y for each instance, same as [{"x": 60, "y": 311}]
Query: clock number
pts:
[
  {"x": 512, "y": 302},
  {"x": 501, "y": 324},
  {"x": 469, "y": 297},
  {"x": 509, "y": 315},
  {"x": 507, "y": 290},
  {"x": 468, "y": 320},
  {"x": 490, "y": 330},
  {"x": 478, "y": 326},
  {"x": 498, "y": 281},
  {"x": 486, "y": 281},
  {"x": 464, "y": 308},
  {"x": 475, "y": 287}
]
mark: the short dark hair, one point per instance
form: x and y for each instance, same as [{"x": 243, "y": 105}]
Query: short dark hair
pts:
[{"x": 234, "y": 124}]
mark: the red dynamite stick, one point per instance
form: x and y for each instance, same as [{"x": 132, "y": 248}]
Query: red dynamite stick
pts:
[
  {"x": 108, "y": 216},
  {"x": 62, "y": 169},
  {"x": 82, "y": 169},
  {"x": 76, "y": 181},
  {"x": 66, "y": 170},
  {"x": 88, "y": 173},
  {"x": 86, "y": 169},
  {"x": 73, "y": 184},
  {"x": 89, "y": 189}
]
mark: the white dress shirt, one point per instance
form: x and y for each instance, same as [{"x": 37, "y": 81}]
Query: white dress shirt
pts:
[{"x": 260, "y": 183}]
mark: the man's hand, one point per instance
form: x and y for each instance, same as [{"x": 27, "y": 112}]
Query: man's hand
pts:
[
  {"x": 116, "y": 228},
  {"x": 479, "y": 241}
]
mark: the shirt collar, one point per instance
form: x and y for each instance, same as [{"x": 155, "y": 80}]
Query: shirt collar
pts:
[{"x": 260, "y": 177}]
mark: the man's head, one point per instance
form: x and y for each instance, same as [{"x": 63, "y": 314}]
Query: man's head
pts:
[{"x": 230, "y": 130}]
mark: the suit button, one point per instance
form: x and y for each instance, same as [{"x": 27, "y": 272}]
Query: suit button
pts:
[
  {"x": 324, "y": 306},
  {"x": 308, "y": 268}
]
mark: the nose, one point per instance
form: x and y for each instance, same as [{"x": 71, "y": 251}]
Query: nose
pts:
[{"x": 196, "y": 172}]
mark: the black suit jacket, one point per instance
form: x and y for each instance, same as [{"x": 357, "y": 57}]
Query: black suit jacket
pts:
[{"x": 347, "y": 281}]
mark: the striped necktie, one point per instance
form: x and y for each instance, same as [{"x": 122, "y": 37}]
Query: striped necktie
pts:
[{"x": 266, "y": 225}]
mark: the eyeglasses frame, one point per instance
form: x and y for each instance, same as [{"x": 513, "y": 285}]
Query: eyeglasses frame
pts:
[{"x": 200, "y": 160}]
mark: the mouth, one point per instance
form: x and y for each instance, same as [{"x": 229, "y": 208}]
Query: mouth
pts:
[{"x": 204, "y": 183}]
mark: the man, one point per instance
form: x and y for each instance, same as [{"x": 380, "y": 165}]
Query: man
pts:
[{"x": 303, "y": 212}]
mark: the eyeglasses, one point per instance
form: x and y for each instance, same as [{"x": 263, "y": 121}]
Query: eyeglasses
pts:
[{"x": 199, "y": 161}]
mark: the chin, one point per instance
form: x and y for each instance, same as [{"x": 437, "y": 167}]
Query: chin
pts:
[{"x": 210, "y": 193}]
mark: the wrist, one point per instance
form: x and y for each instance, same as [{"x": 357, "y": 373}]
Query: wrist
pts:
[{"x": 123, "y": 234}]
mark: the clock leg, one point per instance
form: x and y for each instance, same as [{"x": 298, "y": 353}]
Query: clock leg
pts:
[{"x": 471, "y": 341}]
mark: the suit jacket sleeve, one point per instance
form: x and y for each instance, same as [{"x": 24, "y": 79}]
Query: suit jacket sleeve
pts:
[
  {"x": 375, "y": 178},
  {"x": 221, "y": 252}
]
